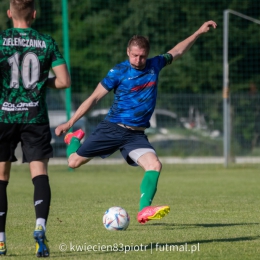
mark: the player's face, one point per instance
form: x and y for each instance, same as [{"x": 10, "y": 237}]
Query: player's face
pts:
[{"x": 137, "y": 57}]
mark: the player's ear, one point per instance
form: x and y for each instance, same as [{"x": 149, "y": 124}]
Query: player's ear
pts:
[
  {"x": 34, "y": 14},
  {"x": 127, "y": 51},
  {"x": 9, "y": 14}
]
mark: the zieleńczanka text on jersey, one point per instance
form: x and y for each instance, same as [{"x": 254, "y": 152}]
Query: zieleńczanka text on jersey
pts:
[{"x": 24, "y": 42}]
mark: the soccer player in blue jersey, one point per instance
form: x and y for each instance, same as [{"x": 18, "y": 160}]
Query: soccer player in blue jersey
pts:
[{"x": 134, "y": 83}]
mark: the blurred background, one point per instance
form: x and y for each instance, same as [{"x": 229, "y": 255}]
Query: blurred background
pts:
[{"x": 188, "y": 120}]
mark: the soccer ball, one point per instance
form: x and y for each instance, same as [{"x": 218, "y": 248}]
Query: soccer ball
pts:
[{"x": 116, "y": 218}]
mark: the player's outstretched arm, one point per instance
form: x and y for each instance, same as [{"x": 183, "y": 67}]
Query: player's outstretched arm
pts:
[
  {"x": 61, "y": 79},
  {"x": 98, "y": 93},
  {"x": 182, "y": 47}
]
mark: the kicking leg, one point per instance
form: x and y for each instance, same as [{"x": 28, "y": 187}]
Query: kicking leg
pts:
[{"x": 152, "y": 166}]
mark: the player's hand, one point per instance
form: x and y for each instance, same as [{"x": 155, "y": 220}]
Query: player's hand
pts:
[
  {"x": 62, "y": 129},
  {"x": 206, "y": 27}
]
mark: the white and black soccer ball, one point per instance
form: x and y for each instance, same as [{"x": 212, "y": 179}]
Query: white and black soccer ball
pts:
[{"x": 116, "y": 218}]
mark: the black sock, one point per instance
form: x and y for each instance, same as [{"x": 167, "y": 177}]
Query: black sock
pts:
[
  {"x": 3, "y": 205},
  {"x": 42, "y": 196}
]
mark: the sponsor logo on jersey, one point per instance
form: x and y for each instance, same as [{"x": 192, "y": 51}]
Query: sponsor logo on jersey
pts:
[
  {"x": 146, "y": 85},
  {"x": 19, "y": 107},
  {"x": 24, "y": 42}
]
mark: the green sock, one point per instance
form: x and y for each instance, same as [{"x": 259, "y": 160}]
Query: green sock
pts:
[
  {"x": 148, "y": 188},
  {"x": 73, "y": 146}
]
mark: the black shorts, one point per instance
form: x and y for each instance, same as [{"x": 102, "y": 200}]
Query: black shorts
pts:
[
  {"x": 35, "y": 141},
  {"x": 109, "y": 137}
]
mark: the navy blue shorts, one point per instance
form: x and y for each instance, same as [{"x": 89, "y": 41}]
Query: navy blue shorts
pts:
[
  {"x": 35, "y": 141},
  {"x": 109, "y": 137}
]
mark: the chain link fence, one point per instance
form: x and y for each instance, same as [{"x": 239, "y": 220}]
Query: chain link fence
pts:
[{"x": 182, "y": 125}]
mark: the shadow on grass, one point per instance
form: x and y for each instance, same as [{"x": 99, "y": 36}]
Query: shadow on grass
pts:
[{"x": 208, "y": 225}]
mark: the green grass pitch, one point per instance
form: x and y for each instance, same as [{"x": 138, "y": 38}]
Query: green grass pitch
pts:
[{"x": 214, "y": 213}]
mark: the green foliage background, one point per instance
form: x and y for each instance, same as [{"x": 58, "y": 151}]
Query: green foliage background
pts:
[{"x": 100, "y": 30}]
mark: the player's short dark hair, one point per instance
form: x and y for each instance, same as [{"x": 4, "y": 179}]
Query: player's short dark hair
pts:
[
  {"x": 22, "y": 8},
  {"x": 141, "y": 41}
]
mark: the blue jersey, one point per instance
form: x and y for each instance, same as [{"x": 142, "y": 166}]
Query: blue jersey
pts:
[{"x": 135, "y": 91}]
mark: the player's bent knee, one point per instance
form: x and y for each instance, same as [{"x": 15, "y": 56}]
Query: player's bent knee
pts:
[
  {"x": 72, "y": 164},
  {"x": 76, "y": 161}
]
